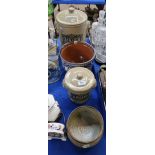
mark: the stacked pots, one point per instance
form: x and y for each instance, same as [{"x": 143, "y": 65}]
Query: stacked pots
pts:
[
  {"x": 72, "y": 26},
  {"x": 83, "y": 129}
]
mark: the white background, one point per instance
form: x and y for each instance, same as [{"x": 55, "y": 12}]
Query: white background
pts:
[{"x": 130, "y": 77}]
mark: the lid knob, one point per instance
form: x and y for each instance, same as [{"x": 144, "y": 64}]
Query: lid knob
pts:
[
  {"x": 71, "y": 10},
  {"x": 79, "y": 76}
]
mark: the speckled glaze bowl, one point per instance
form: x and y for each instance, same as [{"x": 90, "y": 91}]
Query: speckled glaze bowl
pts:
[{"x": 85, "y": 126}]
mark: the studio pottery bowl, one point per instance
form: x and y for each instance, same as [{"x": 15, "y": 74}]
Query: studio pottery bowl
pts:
[
  {"x": 85, "y": 127},
  {"x": 77, "y": 54}
]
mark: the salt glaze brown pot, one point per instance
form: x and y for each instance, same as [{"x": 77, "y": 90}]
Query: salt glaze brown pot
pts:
[
  {"x": 72, "y": 25},
  {"x": 85, "y": 126},
  {"x": 79, "y": 81},
  {"x": 77, "y": 54}
]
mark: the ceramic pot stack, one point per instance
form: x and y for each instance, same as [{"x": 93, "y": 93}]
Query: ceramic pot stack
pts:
[{"x": 83, "y": 129}]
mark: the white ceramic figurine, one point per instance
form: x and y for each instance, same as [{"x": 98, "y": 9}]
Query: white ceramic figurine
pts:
[{"x": 53, "y": 109}]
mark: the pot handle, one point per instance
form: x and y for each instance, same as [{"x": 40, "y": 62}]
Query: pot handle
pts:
[
  {"x": 94, "y": 83},
  {"x": 58, "y": 28},
  {"x": 86, "y": 146},
  {"x": 88, "y": 27},
  {"x": 61, "y": 29},
  {"x": 64, "y": 84}
]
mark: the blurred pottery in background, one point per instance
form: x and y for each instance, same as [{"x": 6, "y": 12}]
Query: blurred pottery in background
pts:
[
  {"x": 98, "y": 37},
  {"x": 54, "y": 72},
  {"x": 53, "y": 109}
]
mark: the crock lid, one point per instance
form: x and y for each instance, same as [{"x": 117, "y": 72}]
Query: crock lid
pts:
[
  {"x": 79, "y": 79},
  {"x": 71, "y": 17}
]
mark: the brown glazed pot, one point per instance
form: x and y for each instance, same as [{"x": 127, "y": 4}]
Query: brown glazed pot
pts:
[{"x": 77, "y": 54}]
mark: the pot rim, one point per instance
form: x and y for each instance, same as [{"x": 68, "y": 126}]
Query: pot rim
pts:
[
  {"x": 77, "y": 143},
  {"x": 102, "y": 125},
  {"x": 70, "y": 25},
  {"x": 72, "y": 63}
]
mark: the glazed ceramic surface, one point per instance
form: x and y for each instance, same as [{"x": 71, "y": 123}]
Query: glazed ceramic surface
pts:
[
  {"x": 79, "y": 81},
  {"x": 77, "y": 54},
  {"x": 83, "y": 145},
  {"x": 56, "y": 131},
  {"x": 85, "y": 126},
  {"x": 72, "y": 25}
]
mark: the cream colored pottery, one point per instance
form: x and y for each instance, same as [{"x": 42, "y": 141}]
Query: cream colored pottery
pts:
[
  {"x": 72, "y": 25},
  {"x": 79, "y": 81}
]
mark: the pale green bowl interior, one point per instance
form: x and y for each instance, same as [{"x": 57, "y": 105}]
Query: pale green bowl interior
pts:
[{"x": 85, "y": 124}]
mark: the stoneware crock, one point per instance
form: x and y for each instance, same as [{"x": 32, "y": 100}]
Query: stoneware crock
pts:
[
  {"x": 72, "y": 25},
  {"x": 77, "y": 54},
  {"x": 79, "y": 81},
  {"x": 85, "y": 126}
]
